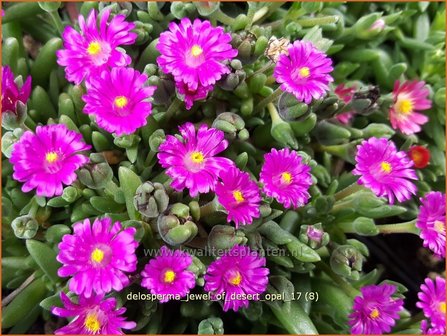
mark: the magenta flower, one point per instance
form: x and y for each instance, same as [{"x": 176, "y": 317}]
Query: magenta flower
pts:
[
  {"x": 167, "y": 275},
  {"x": 191, "y": 162},
  {"x": 92, "y": 316},
  {"x": 345, "y": 93},
  {"x": 409, "y": 99},
  {"x": 98, "y": 256},
  {"x": 48, "y": 159},
  {"x": 194, "y": 52},
  {"x": 238, "y": 271},
  {"x": 119, "y": 100},
  {"x": 432, "y": 301},
  {"x": 11, "y": 93},
  {"x": 190, "y": 96},
  {"x": 239, "y": 195},
  {"x": 93, "y": 50},
  {"x": 429, "y": 329},
  {"x": 431, "y": 222},
  {"x": 385, "y": 170},
  {"x": 375, "y": 311},
  {"x": 304, "y": 72},
  {"x": 286, "y": 178}
]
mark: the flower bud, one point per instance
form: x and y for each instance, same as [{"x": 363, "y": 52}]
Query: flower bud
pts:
[
  {"x": 156, "y": 139},
  {"x": 230, "y": 123},
  {"x": 368, "y": 26},
  {"x": 245, "y": 42},
  {"x": 127, "y": 141},
  {"x": 143, "y": 31},
  {"x": 347, "y": 261},
  {"x": 206, "y": 8},
  {"x": 9, "y": 139},
  {"x": 223, "y": 237},
  {"x": 182, "y": 9},
  {"x": 314, "y": 236},
  {"x": 151, "y": 199},
  {"x": 365, "y": 102},
  {"x": 180, "y": 210},
  {"x": 211, "y": 326},
  {"x": 14, "y": 119},
  {"x": 25, "y": 227},
  {"x": 97, "y": 173},
  {"x": 173, "y": 232},
  {"x": 197, "y": 267},
  {"x": 232, "y": 80}
]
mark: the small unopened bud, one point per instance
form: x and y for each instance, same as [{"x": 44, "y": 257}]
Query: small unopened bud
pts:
[
  {"x": 151, "y": 199},
  {"x": 71, "y": 194},
  {"x": 9, "y": 139},
  {"x": 223, "y": 237},
  {"x": 97, "y": 173},
  {"x": 156, "y": 139},
  {"x": 14, "y": 119},
  {"x": 230, "y": 123},
  {"x": 25, "y": 227},
  {"x": 314, "y": 236},
  {"x": 347, "y": 261}
]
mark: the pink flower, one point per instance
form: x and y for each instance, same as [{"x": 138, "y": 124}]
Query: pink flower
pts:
[
  {"x": 167, "y": 275},
  {"x": 93, "y": 50},
  {"x": 432, "y": 301},
  {"x": 345, "y": 94},
  {"x": 239, "y": 271},
  {"x": 11, "y": 93},
  {"x": 119, "y": 100},
  {"x": 409, "y": 99},
  {"x": 385, "y": 170},
  {"x": 190, "y": 96},
  {"x": 93, "y": 316},
  {"x": 98, "y": 256},
  {"x": 428, "y": 329},
  {"x": 304, "y": 72},
  {"x": 431, "y": 222},
  {"x": 191, "y": 161},
  {"x": 239, "y": 195},
  {"x": 48, "y": 159},
  {"x": 375, "y": 311},
  {"x": 194, "y": 52},
  {"x": 286, "y": 178}
]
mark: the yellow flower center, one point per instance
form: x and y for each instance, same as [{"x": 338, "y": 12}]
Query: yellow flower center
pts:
[
  {"x": 404, "y": 106},
  {"x": 169, "y": 276},
  {"x": 235, "y": 280},
  {"x": 286, "y": 178},
  {"x": 442, "y": 307},
  {"x": 197, "y": 157},
  {"x": 51, "y": 157},
  {"x": 304, "y": 72},
  {"x": 97, "y": 255},
  {"x": 386, "y": 167},
  {"x": 439, "y": 227},
  {"x": 92, "y": 324},
  {"x": 94, "y": 48},
  {"x": 196, "y": 50},
  {"x": 238, "y": 197},
  {"x": 120, "y": 101},
  {"x": 374, "y": 313}
]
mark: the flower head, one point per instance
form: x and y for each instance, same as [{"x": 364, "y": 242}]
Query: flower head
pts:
[
  {"x": 167, "y": 274},
  {"x": 190, "y": 96},
  {"x": 304, "y": 72},
  {"x": 375, "y": 311},
  {"x": 93, "y": 50},
  {"x": 409, "y": 99},
  {"x": 98, "y": 256},
  {"x": 238, "y": 271},
  {"x": 191, "y": 162},
  {"x": 384, "y": 169},
  {"x": 11, "y": 93},
  {"x": 431, "y": 222},
  {"x": 48, "y": 159},
  {"x": 119, "y": 100},
  {"x": 194, "y": 52},
  {"x": 239, "y": 195},
  {"x": 94, "y": 315},
  {"x": 420, "y": 156},
  {"x": 286, "y": 177},
  {"x": 345, "y": 93},
  {"x": 432, "y": 301},
  {"x": 428, "y": 329}
]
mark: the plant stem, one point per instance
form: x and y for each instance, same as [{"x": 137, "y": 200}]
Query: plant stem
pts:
[
  {"x": 345, "y": 286},
  {"x": 263, "y": 103},
  {"x": 57, "y": 22},
  {"x": 352, "y": 189},
  {"x": 317, "y": 21},
  {"x": 17, "y": 291},
  {"x": 222, "y": 17},
  {"x": 407, "y": 227}
]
